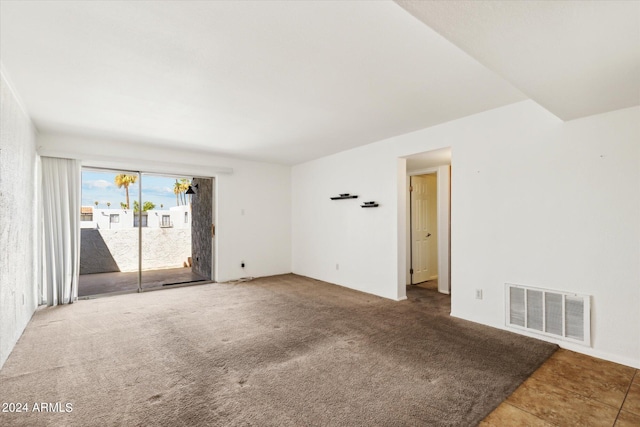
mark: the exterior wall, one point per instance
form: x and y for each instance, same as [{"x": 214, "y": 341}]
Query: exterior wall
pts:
[
  {"x": 165, "y": 248},
  {"x": 102, "y": 218},
  {"x": 103, "y": 251},
  {"x": 95, "y": 255},
  {"x": 18, "y": 206},
  {"x": 177, "y": 214}
]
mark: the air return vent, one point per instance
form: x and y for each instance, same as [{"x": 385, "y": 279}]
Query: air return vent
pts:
[{"x": 553, "y": 313}]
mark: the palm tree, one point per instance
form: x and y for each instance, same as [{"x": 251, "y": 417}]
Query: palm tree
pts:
[
  {"x": 96, "y": 203},
  {"x": 176, "y": 190},
  {"x": 146, "y": 206},
  {"x": 185, "y": 186},
  {"x": 124, "y": 180},
  {"x": 179, "y": 189},
  {"x": 108, "y": 205}
]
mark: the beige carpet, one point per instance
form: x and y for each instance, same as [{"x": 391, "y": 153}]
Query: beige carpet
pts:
[
  {"x": 279, "y": 351},
  {"x": 429, "y": 284}
]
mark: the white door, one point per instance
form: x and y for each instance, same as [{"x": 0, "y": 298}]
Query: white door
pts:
[{"x": 424, "y": 220}]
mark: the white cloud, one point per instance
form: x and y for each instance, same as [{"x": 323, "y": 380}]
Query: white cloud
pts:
[{"x": 98, "y": 183}]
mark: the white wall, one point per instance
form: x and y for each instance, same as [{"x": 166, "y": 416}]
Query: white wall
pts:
[
  {"x": 363, "y": 242},
  {"x": 161, "y": 248},
  {"x": 102, "y": 218},
  {"x": 176, "y": 213},
  {"x": 18, "y": 266},
  {"x": 253, "y": 208},
  {"x": 534, "y": 201}
]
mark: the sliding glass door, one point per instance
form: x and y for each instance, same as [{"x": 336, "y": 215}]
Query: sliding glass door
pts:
[
  {"x": 109, "y": 239},
  {"x": 169, "y": 237},
  {"x": 143, "y": 231}
]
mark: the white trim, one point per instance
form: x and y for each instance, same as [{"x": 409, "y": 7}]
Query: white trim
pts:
[
  {"x": 425, "y": 171},
  {"x": 444, "y": 229},
  {"x": 402, "y": 188}
]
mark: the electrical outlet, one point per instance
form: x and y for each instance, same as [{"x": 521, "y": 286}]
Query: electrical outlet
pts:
[
  {"x": 478, "y": 293},
  {"x": 337, "y": 266},
  {"x": 242, "y": 264}
]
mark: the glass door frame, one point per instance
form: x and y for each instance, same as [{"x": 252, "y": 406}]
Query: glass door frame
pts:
[
  {"x": 140, "y": 174},
  {"x": 141, "y": 272}
]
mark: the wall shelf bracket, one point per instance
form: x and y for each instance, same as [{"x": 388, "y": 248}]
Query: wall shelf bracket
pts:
[{"x": 344, "y": 196}]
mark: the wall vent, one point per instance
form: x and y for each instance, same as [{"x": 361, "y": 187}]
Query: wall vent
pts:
[{"x": 557, "y": 314}]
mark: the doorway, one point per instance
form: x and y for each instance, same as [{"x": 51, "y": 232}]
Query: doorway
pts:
[
  {"x": 139, "y": 231},
  {"x": 424, "y": 230},
  {"x": 426, "y": 246}
]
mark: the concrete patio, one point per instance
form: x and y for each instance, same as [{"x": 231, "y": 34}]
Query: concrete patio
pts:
[{"x": 103, "y": 283}]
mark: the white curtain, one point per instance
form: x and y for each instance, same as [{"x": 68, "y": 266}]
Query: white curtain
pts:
[{"x": 61, "y": 230}]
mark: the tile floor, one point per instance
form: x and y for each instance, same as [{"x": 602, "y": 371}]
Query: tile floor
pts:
[{"x": 572, "y": 389}]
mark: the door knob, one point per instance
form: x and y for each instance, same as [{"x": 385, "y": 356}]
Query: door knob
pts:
[{"x": 428, "y": 234}]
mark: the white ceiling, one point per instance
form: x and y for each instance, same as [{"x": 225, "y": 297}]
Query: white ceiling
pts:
[
  {"x": 286, "y": 81},
  {"x": 276, "y": 81},
  {"x": 575, "y": 58}
]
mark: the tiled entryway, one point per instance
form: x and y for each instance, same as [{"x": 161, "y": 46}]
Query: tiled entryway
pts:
[{"x": 572, "y": 389}]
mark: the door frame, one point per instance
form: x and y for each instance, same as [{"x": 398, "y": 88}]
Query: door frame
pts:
[{"x": 443, "y": 176}]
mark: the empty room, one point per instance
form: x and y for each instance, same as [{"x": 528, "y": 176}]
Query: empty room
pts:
[{"x": 320, "y": 213}]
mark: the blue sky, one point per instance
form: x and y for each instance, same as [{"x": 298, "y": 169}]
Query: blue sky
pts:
[{"x": 100, "y": 186}]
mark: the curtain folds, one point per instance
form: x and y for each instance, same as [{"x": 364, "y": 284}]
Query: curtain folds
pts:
[{"x": 61, "y": 229}]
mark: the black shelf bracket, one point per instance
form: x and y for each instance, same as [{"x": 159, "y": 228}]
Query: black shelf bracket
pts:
[
  {"x": 369, "y": 205},
  {"x": 344, "y": 196}
]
